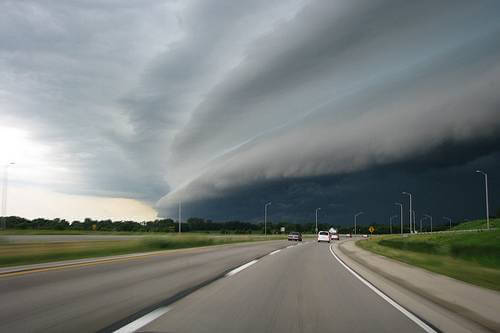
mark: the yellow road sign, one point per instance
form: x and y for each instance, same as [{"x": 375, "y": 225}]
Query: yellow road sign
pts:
[{"x": 371, "y": 229}]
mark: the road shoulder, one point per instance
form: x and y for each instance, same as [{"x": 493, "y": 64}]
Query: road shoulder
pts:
[{"x": 448, "y": 304}]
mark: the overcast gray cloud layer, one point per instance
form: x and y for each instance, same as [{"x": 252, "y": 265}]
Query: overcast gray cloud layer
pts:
[{"x": 199, "y": 100}]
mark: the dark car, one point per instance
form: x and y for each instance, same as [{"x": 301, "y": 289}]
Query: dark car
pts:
[{"x": 295, "y": 236}]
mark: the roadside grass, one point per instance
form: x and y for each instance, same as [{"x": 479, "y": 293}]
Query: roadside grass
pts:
[
  {"x": 477, "y": 224},
  {"x": 9, "y": 232},
  {"x": 13, "y": 232},
  {"x": 13, "y": 254},
  {"x": 473, "y": 257}
]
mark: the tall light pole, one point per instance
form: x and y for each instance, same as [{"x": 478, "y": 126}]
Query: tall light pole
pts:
[
  {"x": 401, "y": 206},
  {"x": 390, "y": 221},
  {"x": 409, "y": 194},
  {"x": 486, "y": 190},
  {"x": 414, "y": 222},
  {"x": 180, "y": 215},
  {"x": 447, "y": 218},
  {"x": 355, "y": 217},
  {"x": 265, "y": 217},
  {"x": 421, "y": 223},
  {"x": 430, "y": 217},
  {"x": 317, "y": 219},
  {"x": 4, "y": 192}
]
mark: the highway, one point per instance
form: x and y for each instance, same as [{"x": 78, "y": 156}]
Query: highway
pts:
[{"x": 300, "y": 288}]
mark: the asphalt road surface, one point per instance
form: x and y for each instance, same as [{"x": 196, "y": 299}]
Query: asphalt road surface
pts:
[
  {"x": 92, "y": 297},
  {"x": 301, "y": 288}
]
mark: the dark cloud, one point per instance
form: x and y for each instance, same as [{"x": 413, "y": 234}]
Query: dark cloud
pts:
[{"x": 452, "y": 189}]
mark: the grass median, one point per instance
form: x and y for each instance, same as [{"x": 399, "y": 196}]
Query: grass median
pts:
[
  {"x": 33, "y": 253},
  {"x": 473, "y": 257}
]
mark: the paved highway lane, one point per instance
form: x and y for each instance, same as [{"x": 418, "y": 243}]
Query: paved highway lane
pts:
[
  {"x": 90, "y": 298},
  {"x": 299, "y": 289}
]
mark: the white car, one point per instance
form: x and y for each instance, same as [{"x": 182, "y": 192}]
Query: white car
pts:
[
  {"x": 334, "y": 237},
  {"x": 323, "y": 236}
]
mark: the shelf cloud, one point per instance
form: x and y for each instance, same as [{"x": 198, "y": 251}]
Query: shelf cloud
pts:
[{"x": 222, "y": 105}]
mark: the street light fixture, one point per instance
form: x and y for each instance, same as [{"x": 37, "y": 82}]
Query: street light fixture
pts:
[
  {"x": 447, "y": 218},
  {"x": 390, "y": 221},
  {"x": 401, "y": 206},
  {"x": 430, "y": 217},
  {"x": 4, "y": 192},
  {"x": 317, "y": 219},
  {"x": 409, "y": 194},
  {"x": 265, "y": 217},
  {"x": 486, "y": 190},
  {"x": 355, "y": 217}
]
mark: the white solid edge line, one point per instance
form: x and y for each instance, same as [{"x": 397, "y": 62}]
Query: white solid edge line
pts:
[
  {"x": 407, "y": 313},
  {"x": 144, "y": 320},
  {"x": 290, "y": 246},
  {"x": 242, "y": 267},
  {"x": 274, "y": 252}
]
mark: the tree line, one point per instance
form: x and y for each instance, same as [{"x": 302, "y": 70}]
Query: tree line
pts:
[{"x": 193, "y": 224}]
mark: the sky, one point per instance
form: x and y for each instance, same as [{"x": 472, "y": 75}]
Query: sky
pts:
[{"x": 122, "y": 109}]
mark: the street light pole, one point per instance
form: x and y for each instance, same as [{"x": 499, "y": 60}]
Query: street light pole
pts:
[
  {"x": 390, "y": 221},
  {"x": 355, "y": 217},
  {"x": 265, "y": 217},
  {"x": 409, "y": 194},
  {"x": 4, "y": 192},
  {"x": 401, "y": 206},
  {"x": 317, "y": 219},
  {"x": 414, "y": 222},
  {"x": 180, "y": 215},
  {"x": 486, "y": 190},
  {"x": 447, "y": 218},
  {"x": 430, "y": 217}
]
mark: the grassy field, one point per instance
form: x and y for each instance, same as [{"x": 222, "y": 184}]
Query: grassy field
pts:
[
  {"x": 472, "y": 257},
  {"x": 10, "y": 232},
  {"x": 32, "y": 253},
  {"x": 477, "y": 224}
]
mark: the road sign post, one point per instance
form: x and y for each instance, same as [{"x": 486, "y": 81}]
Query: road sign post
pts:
[{"x": 371, "y": 229}]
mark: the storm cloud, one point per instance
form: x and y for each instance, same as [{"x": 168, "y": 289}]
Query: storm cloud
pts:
[{"x": 226, "y": 104}]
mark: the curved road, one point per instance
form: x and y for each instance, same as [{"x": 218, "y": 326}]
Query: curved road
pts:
[{"x": 300, "y": 288}]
